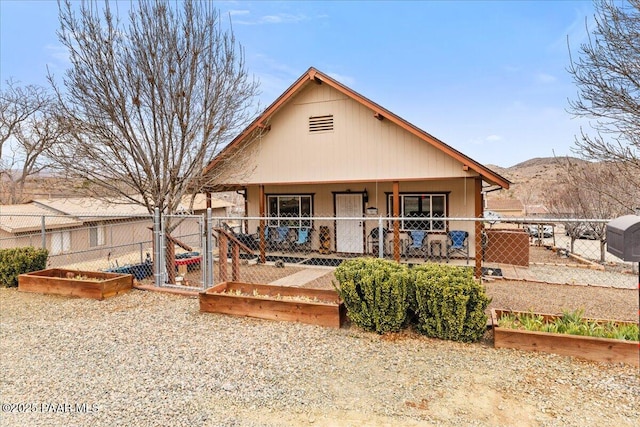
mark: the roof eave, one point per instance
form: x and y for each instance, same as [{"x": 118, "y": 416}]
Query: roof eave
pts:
[{"x": 378, "y": 111}]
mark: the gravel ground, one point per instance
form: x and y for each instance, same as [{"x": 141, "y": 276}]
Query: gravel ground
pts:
[{"x": 151, "y": 359}]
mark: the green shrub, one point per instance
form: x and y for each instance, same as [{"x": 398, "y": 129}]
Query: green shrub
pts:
[
  {"x": 375, "y": 293},
  {"x": 16, "y": 261},
  {"x": 449, "y": 303},
  {"x": 571, "y": 322}
]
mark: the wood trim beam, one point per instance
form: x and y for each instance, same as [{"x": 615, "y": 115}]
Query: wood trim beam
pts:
[
  {"x": 479, "y": 225},
  {"x": 263, "y": 243},
  {"x": 396, "y": 222}
]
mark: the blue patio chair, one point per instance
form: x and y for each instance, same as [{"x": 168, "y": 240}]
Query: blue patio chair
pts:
[
  {"x": 417, "y": 243},
  {"x": 458, "y": 243},
  {"x": 303, "y": 242}
]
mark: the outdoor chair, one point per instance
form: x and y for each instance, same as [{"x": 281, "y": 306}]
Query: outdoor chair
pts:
[
  {"x": 261, "y": 231},
  {"x": 303, "y": 241},
  {"x": 458, "y": 243},
  {"x": 279, "y": 238},
  {"x": 374, "y": 241},
  {"x": 417, "y": 243}
]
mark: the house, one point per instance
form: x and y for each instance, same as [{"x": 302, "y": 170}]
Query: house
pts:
[
  {"x": 219, "y": 207},
  {"x": 81, "y": 229},
  {"x": 506, "y": 207},
  {"x": 537, "y": 211},
  {"x": 103, "y": 225},
  {"x": 33, "y": 225},
  {"x": 323, "y": 150}
]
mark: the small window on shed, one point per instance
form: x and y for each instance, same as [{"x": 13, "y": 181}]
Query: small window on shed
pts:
[{"x": 321, "y": 123}]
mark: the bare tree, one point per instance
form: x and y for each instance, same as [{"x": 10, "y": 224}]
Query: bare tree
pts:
[
  {"x": 607, "y": 72},
  {"x": 150, "y": 103},
  {"x": 27, "y": 129},
  {"x": 583, "y": 192}
]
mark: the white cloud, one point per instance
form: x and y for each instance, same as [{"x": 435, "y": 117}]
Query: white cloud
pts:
[
  {"x": 239, "y": 12},
  {"x": 280, "y": 18},
  {"x": 545, "y": 78},
  {"x": 576, "y": 32},
  {"x": 493, "y": 138}
]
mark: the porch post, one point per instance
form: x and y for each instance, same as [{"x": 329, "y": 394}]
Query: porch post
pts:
[
  {"x": 479, "y": 205},
  {"x": 396, "y": 223},
  {"x": 261, "y": 228},
  {"x": 222, "y": 256}
]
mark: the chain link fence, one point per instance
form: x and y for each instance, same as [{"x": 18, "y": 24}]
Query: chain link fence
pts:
[{"x": 304, "y": 251}]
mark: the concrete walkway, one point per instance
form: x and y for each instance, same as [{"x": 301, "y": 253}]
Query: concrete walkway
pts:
[{"x": 301, "y": 277}]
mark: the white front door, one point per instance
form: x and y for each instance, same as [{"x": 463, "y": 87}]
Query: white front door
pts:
[{"x": 349, "y": 232}]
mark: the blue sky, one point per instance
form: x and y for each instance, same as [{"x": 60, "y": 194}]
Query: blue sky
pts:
[{"x": 487, "y": 78}]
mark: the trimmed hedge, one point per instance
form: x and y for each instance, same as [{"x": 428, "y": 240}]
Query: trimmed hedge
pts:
[
  {"x": 442, "y": 301},
  {"x": 450, "y": 304},
  {"x": 16, "y": 261},
  {"x": 375, "y": 293}
]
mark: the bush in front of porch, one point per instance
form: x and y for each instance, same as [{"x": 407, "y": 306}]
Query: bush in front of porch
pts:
[
  {"x": 375, "y": 293},
  {"x": 442, "y": 301},
  {"x": 449, "y": 303}
]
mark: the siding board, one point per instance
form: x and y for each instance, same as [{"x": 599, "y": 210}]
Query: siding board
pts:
[{"x": 360, "y": 147}]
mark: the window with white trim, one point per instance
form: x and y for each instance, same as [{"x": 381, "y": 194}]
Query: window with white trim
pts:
[
  {"x": 424, "y": 207},
  {"x": 290, "y": 210},
  {"x": 60, "y": 242},
  {"x": 96, "y": 235}
]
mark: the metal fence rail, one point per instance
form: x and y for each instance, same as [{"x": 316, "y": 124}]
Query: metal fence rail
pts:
[{"x": 304, "y": 251}]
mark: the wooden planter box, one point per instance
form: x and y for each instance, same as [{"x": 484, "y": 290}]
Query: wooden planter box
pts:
[
  {"x": 97, "y": 285},
  {"x": 590, "y": 348},
  {"x": 314, "y": 306}
]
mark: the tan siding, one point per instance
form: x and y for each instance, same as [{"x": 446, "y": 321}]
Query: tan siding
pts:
[{"x": 360, "y": 147}]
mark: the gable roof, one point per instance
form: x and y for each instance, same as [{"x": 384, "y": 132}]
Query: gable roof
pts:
[
  {"x": 504, "y": 205},
  {"x": 28, "y": 217},
  {"x": 314, "y": 76},
  {"x": 200, "y": 202},
  {"x": 84, "y": 207}
]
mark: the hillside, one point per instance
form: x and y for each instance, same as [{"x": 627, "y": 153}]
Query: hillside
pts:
[{"x": 530, "y": 179}]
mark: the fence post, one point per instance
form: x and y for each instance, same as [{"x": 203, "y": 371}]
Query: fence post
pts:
[
  {"x": 157, "y": 249},
  {"x": 209, "y": 252},
  {"x": 381, "y": 239},
  {"x": 44, "y": 232}
]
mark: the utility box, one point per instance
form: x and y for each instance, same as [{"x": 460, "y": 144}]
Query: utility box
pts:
[{"x": 623, "y": 238}]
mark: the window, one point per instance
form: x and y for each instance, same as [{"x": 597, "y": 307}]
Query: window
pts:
[
  {"x": 96, "y": 235},
  {"x": 60, "y": 242},
  {"x": 422, "y": 207},
  {"x": 290, "y": 210},
  {"x": 321, "y": 123}
]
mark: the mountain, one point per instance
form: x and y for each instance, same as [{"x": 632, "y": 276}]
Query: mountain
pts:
[{"x": 530, "y": 179}]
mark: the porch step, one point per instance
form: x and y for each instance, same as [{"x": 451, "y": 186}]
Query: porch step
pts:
[{"x": 301, "y": 277}]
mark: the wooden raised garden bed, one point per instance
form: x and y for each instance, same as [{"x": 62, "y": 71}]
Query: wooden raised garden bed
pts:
[
  {"x": 313, "y": 306},
  {"x": 586, "y": 347},
  {"x": 85, "y": 284}
]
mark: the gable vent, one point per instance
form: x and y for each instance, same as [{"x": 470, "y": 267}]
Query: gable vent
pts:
[{"x": 321, "y": 123}]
